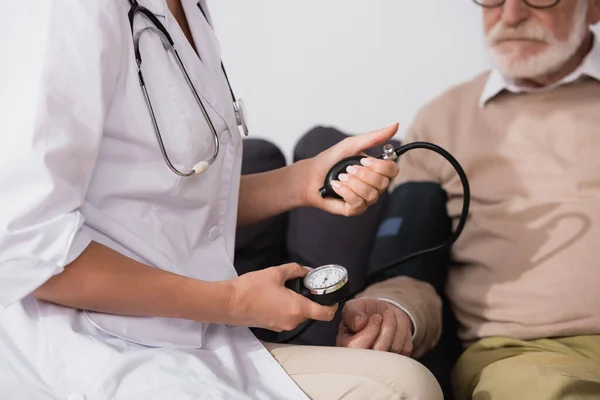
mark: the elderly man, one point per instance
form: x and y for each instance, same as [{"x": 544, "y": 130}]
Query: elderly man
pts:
[{"x": 525, "y": 279}]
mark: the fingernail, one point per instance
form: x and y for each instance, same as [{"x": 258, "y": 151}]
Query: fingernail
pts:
[
  {"x": 366, "y": 162},
  {"x": 351, "y": 170},
  {"x": 343, "y": 177},
  {"x": 336, "y": 184}
]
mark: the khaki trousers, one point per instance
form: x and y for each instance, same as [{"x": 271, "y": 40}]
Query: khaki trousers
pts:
[
  {"x": 332, "y": 373},
  {"x": 546, "y": 369}
]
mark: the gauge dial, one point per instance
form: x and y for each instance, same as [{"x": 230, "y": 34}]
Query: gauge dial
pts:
[{"x": 326, "y": 279}]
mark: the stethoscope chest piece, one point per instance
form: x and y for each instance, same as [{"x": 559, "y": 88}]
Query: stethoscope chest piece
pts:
[{"x": 326, "y": 285}]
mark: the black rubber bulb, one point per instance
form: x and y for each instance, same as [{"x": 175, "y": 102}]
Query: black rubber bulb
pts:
[
  {"x": 333, "y": 174},
  {"x": 297, "y": 285}
]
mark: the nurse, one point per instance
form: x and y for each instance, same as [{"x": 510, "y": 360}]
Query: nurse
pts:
[{"x": 116, "y": 273}]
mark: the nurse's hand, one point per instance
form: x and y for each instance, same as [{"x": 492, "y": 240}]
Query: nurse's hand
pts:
[
  {"x": 260, "y": 299},
  {"x": 361, "y": 186}
]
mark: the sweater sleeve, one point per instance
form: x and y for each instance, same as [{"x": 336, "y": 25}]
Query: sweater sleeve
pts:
[{"x": 62, "y": 64}]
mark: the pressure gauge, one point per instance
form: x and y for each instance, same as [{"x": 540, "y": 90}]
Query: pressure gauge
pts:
[{"x": 326, "y": 285}]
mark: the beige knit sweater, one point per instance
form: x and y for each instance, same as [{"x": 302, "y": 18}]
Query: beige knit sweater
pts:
[{"x": 530, "y": 253}]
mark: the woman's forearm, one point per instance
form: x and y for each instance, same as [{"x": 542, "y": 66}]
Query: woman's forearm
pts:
[
  {"x": 104, "y": 280},
  {"x": 271, "y": 193}
]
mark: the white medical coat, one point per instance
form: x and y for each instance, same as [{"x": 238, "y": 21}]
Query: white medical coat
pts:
[{"x": 79, "y": 162}]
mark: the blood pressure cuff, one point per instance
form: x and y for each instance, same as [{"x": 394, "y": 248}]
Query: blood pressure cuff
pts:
[{"x": 415, "y": 219}]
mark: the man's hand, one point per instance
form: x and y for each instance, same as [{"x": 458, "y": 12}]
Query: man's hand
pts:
[
  {"x": 369, "y": 323},
  {"x": 360, "y": 186}
]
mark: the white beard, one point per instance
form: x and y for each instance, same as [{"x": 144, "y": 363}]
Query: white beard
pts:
[{"x": 517, "y": 66}]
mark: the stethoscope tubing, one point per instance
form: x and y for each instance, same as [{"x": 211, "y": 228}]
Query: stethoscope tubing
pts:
[{"x": 169, "y": 45}]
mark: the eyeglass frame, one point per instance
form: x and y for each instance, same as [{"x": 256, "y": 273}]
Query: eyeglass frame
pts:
[{"x": 527, "y": 2}]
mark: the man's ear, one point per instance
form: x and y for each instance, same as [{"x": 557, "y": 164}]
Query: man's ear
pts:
[{"x": 594, "y": 12}]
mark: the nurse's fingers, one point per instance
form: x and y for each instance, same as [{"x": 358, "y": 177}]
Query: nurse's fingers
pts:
[
  {"x": 318, "y": 312},
  {"x": 387, "y": 168},
  {"x": 355, "y": 204},
  {"x": 368, "y": 176},
  {"x": 291, "y": 271},
  {"x": 357, "y": 144},
  {"x": 368, "y": 193}
]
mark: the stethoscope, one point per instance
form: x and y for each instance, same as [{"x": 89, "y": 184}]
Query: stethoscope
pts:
[{"x": 167, "y": 42}]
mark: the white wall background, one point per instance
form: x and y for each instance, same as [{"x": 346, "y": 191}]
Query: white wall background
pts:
[{"x": 353, "y": 64}]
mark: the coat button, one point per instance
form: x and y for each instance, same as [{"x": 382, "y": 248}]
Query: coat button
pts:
[
  {"x": 225, "y": 137},
  {"x": 76, "y": 396},
  {"x": 213, "y": 234}
]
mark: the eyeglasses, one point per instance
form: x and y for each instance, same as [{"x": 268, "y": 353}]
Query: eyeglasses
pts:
[{"x": 539, "y": 4}]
